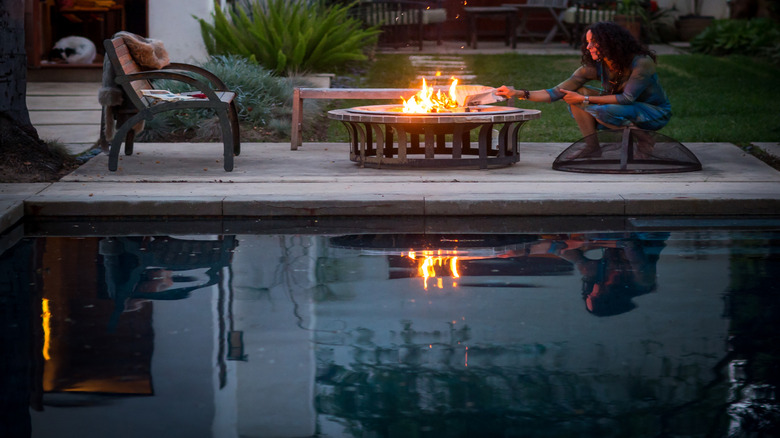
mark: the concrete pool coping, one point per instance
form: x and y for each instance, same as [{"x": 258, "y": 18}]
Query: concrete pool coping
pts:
[{"x": 186, "y": 180}]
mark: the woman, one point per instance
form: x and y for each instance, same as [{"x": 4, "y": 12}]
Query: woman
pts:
[
  {"x": 626, "y": 269},
  {"x": 629, "y": 93}
]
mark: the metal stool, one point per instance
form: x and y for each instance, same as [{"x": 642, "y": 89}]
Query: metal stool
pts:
[{"x": 627, "y": 150}]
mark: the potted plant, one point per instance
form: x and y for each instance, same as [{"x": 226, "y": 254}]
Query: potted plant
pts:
[
  {"x": 693, "y": 23},
  {"x": 289, "y": 37}
]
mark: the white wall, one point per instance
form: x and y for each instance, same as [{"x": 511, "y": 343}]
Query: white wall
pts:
[{"x": 171, "y": 22}]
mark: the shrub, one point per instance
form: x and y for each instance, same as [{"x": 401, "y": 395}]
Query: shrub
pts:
[
  {"x": 289, "y": 37},
  {"x": 263, "y": 100},
  {"x": 756, "y": 37}
]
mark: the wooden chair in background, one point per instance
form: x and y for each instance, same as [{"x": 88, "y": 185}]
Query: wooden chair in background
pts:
[{"x": 532, "y": 9}]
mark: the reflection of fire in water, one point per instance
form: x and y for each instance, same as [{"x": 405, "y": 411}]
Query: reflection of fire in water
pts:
[
  {"x": 428, "y": 101},
  {"x": 453, "y": 259},
  {"x": 46, "y": 322},
  {"x": 428, "y": 261}
]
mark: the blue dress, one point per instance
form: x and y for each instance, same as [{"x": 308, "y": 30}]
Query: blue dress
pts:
[{"x": 641, "y": 99}]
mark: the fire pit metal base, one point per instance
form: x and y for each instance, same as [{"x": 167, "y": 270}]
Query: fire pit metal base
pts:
[{"x": 380, "y": 137}]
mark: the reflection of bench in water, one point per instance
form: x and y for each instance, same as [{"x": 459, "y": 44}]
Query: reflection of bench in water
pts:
[{"x": 161, "y": 268}]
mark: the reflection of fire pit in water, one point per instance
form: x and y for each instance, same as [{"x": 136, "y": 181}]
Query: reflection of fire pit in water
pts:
[
  {"x": 455, "y": 256},
  {"x": 382, "y": 135}
]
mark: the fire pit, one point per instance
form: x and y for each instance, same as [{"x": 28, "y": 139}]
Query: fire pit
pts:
[{"x": 385, "y": 135}]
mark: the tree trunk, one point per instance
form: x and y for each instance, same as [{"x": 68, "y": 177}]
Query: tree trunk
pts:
[
  {"x": 13, "y": 66},
  {"x": 25, "y": 157}
]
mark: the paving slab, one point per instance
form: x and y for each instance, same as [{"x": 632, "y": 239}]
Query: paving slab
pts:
[
  {"x": 12, "y": 198},
  {"x": 43, "y": 117},
  {"x": 81, "y": 133},
  {"x": 63, "y": 89},
  {"x": 67, "y": 112},
  {"x": 38, "y": 102}
]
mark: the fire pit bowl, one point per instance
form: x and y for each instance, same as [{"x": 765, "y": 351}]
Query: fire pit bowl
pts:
[{"x": 383, "y": 135}]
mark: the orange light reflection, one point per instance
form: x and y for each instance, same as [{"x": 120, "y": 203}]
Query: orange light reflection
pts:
[
  {"x": 427, "y": 266},
  {"x": 46, "y": 322}
]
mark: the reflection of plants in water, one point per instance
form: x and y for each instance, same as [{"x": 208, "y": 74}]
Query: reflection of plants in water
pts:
[
  {"x": 494, "y": 401},
  {"x": 421, "y": 387},
  {"x": 753, "y": 306}
]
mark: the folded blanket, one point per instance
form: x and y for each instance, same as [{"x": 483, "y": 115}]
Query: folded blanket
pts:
[{"x": 146, "y": 52}]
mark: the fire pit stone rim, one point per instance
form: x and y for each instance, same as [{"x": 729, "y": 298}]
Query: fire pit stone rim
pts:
[{"x": 517, "y": 114}]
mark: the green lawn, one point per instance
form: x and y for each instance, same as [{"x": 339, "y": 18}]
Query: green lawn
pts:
[{"x": 730, "y": 99}]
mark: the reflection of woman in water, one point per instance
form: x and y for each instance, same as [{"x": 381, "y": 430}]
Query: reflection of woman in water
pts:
[{"x": 626, "y": 269}]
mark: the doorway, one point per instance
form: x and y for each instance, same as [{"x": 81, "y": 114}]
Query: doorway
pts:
[{"x": 48, "y": 21}]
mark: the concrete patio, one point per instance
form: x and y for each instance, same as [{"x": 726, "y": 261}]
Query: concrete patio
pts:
[{"x": 319, "y": 180}]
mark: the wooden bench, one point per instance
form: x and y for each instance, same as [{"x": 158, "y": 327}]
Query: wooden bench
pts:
[
  {"x": 136, "y": 107},
  {"x": 509, "y": 14},
  {"x": 299, "y": 94},
  {"x": 553, "y": 8}
]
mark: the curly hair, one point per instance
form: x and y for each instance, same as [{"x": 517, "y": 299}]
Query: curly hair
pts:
[{"x": 615, "y": 43}]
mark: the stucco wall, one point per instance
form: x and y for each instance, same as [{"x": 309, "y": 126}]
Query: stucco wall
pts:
[{"x": 171, "y": 22}]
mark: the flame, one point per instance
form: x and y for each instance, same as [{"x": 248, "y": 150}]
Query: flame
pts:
[
  {"x": 427, "y": 267},
  {"x": 428, "y": 101},
  {"x": 454, "y": 267}
]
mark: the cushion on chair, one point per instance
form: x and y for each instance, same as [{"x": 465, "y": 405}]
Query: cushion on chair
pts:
[{"x": 434, "y": 15}]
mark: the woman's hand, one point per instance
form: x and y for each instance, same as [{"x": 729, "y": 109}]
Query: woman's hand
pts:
[
  {"x": 505, "y": 91},
  {"x": 572, "y": 97}
]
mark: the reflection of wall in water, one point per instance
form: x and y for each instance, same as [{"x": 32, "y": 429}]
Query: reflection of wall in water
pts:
[
  {"x": 182, "y": 363},
  {"x": 272, "y": 307},
  {"x": 523, "y": 342}
]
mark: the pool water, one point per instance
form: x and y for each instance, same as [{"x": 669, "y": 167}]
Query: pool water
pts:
[{"x": 596, "y": 334}]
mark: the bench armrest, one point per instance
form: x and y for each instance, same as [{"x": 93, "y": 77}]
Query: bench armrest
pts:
[{"x": 215, "y": 81}]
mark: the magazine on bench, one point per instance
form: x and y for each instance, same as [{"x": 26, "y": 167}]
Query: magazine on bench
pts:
[
  {"x": 167, "y": 96},
  {"x": 471, "y": 95}
]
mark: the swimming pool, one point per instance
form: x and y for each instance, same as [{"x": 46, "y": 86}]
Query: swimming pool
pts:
[{"x": 659, "y": 329}]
